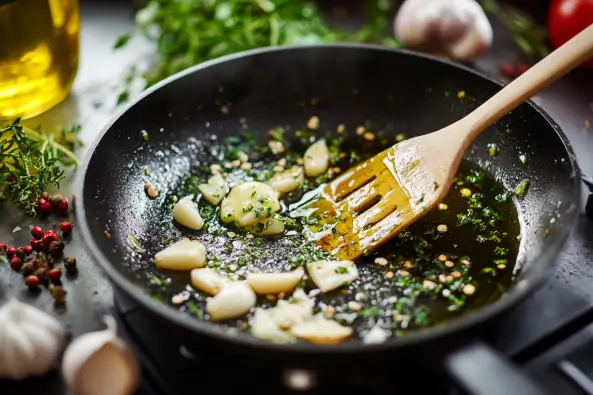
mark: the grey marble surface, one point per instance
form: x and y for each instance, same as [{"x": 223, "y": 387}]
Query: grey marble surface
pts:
[{"x": 92, "y": 103}]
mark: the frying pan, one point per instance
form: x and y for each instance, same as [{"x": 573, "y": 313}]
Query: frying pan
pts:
[{"x": 398, "y": 90}]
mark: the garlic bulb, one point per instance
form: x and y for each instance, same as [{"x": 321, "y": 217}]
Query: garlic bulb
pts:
[
  {"x": 233, "y": 300},
  {"x": 329, "y": 275},
  {"x": 287, "y": 180},
  {"x": 321, "y": 330},
  {"x": 316, "y": 159},
  {"x": 186, "y": 213},
  {"x": 456, "y": 28},
  {"x": 215, "y": 190},
  {"x": 100, "y": 363},
  {"x": 274, "y": 283},
  {"x": 186, "y": 254},
  {"x": 30, "y": 340}
]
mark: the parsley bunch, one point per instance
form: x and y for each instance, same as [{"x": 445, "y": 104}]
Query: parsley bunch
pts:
[
  {"x": 30, "y": 161},
  {"x": 188, "y": 32}
]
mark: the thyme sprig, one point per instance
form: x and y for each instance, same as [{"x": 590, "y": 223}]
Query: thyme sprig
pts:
[{"x": 31, "y": 161}]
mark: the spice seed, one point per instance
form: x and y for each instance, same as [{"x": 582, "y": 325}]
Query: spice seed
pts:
[
  {"x": 456, "y": 274},
  {"x": 403, "y": 273},
  {"x": 354, "y": 306},
  {"x": 442, "y": 257},
  {"x": 381, "y": 261},
  {"x": 313, "y": 123},
  {"x": 443, "y": 207},
  {"x": 442, "y": 228},
  {"x": 360, "y": 130},
  {"x": 469, "y": 289},
  {"x": 427, "y": 284},
  {"x": 389, "y": 275},
  {"x": 449, "y": 264}
]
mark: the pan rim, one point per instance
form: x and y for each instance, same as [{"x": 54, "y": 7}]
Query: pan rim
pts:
[{"x": 203, "y": 328}]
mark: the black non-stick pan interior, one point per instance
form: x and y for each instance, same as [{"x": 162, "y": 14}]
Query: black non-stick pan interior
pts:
[{"x": 397, "y": 92}]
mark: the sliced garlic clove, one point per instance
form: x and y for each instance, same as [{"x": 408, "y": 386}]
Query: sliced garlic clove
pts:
[
  {"x": 287, "y": 180},
  {"x": 233, "y": 300},
  {"x": 215, "y": 190},
  {"x": 329, "y": 275},
  {"x": 316, "y": 159},
  {"x": 100, "y": 363},
  {"x": 264, "y": 327},
  {"x": 376, "y": 335},
  {"x": 287, "y": 314},
  {"x": 267, "y": 227},
  {"x": 274, "y": 283},
  {"x": 186, "y": 254},
  {"x": 249, "y": 203},
  {"x": 321, "y": 330},
  {"x": 208, "y": 280},
  {"x": 186, "y": 213}
]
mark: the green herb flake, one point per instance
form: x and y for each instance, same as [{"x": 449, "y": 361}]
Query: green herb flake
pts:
[
  {"x": 492, "y": 150},
  {"x": 521, "y": 188},
  {"x": 135, "y": 243}
]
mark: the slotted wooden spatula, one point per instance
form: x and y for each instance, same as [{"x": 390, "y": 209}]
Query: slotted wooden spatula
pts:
[{"x": 372, "y": 202}]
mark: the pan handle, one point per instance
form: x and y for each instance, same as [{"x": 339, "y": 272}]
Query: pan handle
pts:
[{"x": 478, "y": 369}]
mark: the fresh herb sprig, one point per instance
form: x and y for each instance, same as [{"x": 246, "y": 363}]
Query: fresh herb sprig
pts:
[
  {"x": 30, "y": 161},
  {"x": 526, "y": 33},
  {"x": 187, "y": 32}
]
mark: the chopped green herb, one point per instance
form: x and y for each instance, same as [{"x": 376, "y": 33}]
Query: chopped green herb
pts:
[{"x": 521, "y": 188}]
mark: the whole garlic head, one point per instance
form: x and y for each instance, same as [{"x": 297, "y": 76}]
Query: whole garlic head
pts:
[
  {"x": 457, "y": 28},
  {"x": 30, "y": 340}
]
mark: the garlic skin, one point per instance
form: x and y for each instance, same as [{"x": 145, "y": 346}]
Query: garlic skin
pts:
[
  {"x": 186, "y": 254},
  {"x": 186, "y": 213},
  {"x": 330, "y": 275},
  {"x": 457, "y": 28},
  {"x": 208, "y": 280},
  {"x": 274, "y": 283},
  {"x": 215, "y": 190},
  {"x": 30, "y": 341},
  {"x": 316, "y": 159},
  {"x": 100, "y": 363},
  {"x": 232, "y": 301}
]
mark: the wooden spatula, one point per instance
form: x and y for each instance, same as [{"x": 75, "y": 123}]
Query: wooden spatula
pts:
[{"x": 372, "y": 202}]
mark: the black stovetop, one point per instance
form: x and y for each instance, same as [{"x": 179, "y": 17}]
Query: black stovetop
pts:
[{"x": 557, "y": 351}]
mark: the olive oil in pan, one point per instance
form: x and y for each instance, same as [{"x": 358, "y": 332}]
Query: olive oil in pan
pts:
[{"x": 456, "y": 259}]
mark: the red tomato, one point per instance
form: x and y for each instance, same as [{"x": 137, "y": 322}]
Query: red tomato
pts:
[{"x": 567, "y": 18}]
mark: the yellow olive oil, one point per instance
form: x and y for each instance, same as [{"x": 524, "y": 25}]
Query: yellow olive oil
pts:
[{"x": 38, "y": 54}]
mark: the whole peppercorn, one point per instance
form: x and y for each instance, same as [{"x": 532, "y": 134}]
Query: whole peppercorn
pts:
[
  {"x": 32, "y": 281},
  {"x": 56, "y": 199},
  {"x": 37, "y": 232},
  {"x": 66, "y": 227},
  {"x": 28, "y": 250},
  {"x": 37, "y": 244},
  {"x": 58, "y": 292},
  {"x": 55, "y": 274},
  {"x": 10, "y": 251},
  {"x": 45, "y": 195},
  {"x": 20, "y": 252},
  {"x": 70, "y": 264},
  {"x": 45, "y": 207},
  {"x": 51, "y": 262},
  {"x": 63, "y": 206},
  {"x": 42, "y": 272},
  {"x": 29, "y": 267},
  {"x": 16, "y": 263},
  {"x": 48, "y": 238},
  {"x": 56, "y": 248},
  {"x": 3, "y": 247}
]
